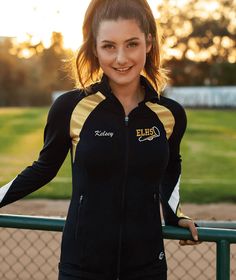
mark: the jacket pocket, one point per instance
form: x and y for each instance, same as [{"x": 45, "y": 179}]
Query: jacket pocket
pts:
[{"x": 79, "y": 217}]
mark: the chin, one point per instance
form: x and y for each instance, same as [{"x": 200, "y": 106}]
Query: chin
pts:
[{"x": 123, "y": 78}]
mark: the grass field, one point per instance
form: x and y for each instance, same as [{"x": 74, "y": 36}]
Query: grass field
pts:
[{"x": 208, "y": 153}]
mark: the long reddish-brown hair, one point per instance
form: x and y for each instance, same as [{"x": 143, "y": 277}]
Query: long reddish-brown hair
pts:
[{"x": 87, "y": 68}]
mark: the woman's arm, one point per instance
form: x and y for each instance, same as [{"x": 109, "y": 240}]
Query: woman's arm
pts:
[
  {"x": 56, "y": 145},
  {"x": 169, "y": 188}
]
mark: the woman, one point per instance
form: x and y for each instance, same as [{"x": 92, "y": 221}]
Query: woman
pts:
[{"x": 124, "y": 139}]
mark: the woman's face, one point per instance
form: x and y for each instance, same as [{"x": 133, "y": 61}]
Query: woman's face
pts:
[{"x": 121, "y": 49}]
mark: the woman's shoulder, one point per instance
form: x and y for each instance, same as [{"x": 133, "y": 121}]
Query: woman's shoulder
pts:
[
  {"x": 176, "y": 108},
  {"x": 63, "y": 106},
  {"x": 69, "y": 97},
  {"x": 178, "y": 112}
]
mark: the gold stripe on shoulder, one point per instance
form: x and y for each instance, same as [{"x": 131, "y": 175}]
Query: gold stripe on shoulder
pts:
[
  {"x": 80, "y": 115},
  {"x": 165, "y": 116}
]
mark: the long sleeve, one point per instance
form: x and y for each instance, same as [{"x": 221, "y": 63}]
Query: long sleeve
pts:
[
  {"x": 56, "y": 146},
  {"x": 169, "y": 188}
]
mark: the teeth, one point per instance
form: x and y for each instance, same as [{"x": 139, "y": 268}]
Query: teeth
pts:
[{"x": 122, "y": 69}]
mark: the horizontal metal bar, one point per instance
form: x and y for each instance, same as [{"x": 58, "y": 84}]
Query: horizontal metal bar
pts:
[
  {"x": 32, "y": 222},
  {"x": 205, "y": 234},
  {"x": 217, "y": 224},
  {"x": 169, "y": 232}
]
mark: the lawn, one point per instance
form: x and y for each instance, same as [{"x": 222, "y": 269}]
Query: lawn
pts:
[
  {"x": 208, "y": 152},
  {"x": 209, "y": 156}
]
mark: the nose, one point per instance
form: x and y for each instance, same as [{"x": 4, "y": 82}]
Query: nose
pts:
[{"x": 121, "y": 57}]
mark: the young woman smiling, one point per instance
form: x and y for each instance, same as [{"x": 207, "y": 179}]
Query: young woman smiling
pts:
[{"x": 124, "y": 138}]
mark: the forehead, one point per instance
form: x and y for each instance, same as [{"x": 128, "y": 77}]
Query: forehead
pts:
[{"x": 121, "y": 29}]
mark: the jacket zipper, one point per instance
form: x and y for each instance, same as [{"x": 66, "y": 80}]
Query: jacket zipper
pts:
[
  {"x": 123, "y": 195},
  {"x": 78, "y": 212}
]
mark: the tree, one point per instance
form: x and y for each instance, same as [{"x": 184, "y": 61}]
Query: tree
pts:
[
  {"x": 31, "y": 80},
  {"x": 200, "y": 37},
  {"x": 12, "y": 75}
]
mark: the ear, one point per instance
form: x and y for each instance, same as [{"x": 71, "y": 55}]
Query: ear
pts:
[{"x": 148, "y": 43}]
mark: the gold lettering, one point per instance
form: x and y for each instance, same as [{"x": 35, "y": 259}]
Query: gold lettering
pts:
[
  {"x": 142, "y": 132},
  {"x": 145, "y": 132},
  {"x": 138, "y": 132}
]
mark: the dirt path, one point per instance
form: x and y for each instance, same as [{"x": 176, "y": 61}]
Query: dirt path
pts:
[{"x": 45, "y": 207}]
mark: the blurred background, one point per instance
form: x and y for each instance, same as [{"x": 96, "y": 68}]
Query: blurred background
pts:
[
  {"x": 36, "y": 38},
  {"x": 199, "y": 48}
]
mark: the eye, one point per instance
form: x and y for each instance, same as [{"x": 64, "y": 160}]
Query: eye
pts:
[
  {"x": 108, "y": 46},
  {"x": 132, "y": 44}
]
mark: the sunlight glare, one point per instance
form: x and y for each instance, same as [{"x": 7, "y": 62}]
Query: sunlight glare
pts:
[
  {"x": 227, "y": 42},
  {"x": 232, "y": 57},
  {"x": 40, "y": 18},
  {"x": 153, "y": 4},
  {"x": 175, "y": 53}
]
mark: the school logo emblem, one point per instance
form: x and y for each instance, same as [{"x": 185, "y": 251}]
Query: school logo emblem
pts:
[
  {"x": 161, "y": 256},
  {"x": 147, "y": 134}
]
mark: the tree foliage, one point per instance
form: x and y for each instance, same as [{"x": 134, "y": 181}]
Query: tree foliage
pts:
[
  {"x": 26, "y": 81},
  {"x": 199, "y": 48},
  {"x": 199, "y": 41}
]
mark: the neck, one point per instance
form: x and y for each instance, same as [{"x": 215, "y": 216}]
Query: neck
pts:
[
  {"x": 128, "y": 92},
  {"x": 128, "y": 95}
]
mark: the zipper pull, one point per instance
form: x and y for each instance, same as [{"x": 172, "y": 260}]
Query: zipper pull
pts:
[
  {"x": 126, "y": 120},
  {"x": 81, "y": 198}
]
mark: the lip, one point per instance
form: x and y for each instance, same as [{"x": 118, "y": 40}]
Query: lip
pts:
[{"x": 122, "y": 69}]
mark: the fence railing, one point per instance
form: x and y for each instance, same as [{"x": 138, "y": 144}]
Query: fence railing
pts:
[{"x": 222, "y": 237}]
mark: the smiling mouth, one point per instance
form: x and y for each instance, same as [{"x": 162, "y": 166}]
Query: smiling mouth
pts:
[{"x": 122, "y": 70}]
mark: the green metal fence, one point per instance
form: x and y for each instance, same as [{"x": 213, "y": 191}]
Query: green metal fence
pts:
[{"x": 24, "y": 247}]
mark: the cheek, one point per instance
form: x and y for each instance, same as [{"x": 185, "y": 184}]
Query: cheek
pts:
[
  {"x": 104, "y": 58},
  {"x": 139, "y": 54},
  {"x": 140, "y": 57}
]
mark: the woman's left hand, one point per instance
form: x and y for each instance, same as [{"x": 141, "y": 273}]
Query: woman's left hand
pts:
[{"x": 189, "y": 224}]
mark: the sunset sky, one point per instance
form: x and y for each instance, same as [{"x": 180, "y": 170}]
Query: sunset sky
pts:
[{"x": 40, "y": 18}]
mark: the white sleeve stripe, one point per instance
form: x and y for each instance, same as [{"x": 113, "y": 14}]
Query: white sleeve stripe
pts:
[
  {"x": 4, "y": 190},
  {"x": 175, "y": 198}
]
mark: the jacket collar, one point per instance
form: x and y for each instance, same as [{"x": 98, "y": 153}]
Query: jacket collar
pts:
[
  {"x": 150, "y": 93},
  {"x": 104, "y": 87}
]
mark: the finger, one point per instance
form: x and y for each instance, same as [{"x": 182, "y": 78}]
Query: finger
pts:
[
  {"x": 189, "y": 242},
  {"x": 182, "y": 242},
  {"x": 193, "y": 230}
]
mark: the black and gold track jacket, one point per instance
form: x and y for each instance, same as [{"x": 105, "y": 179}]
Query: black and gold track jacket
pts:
[{"x": 122, "y": 166}]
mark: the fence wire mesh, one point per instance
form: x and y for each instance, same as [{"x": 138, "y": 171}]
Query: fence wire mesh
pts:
[{"x": 34, "y": 255}]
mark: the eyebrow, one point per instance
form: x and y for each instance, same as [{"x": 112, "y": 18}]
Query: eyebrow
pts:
[{"x": 128, "y": 40}]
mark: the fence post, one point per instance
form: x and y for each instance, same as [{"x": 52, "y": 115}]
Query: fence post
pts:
[{"x": 223, "y": 260}]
